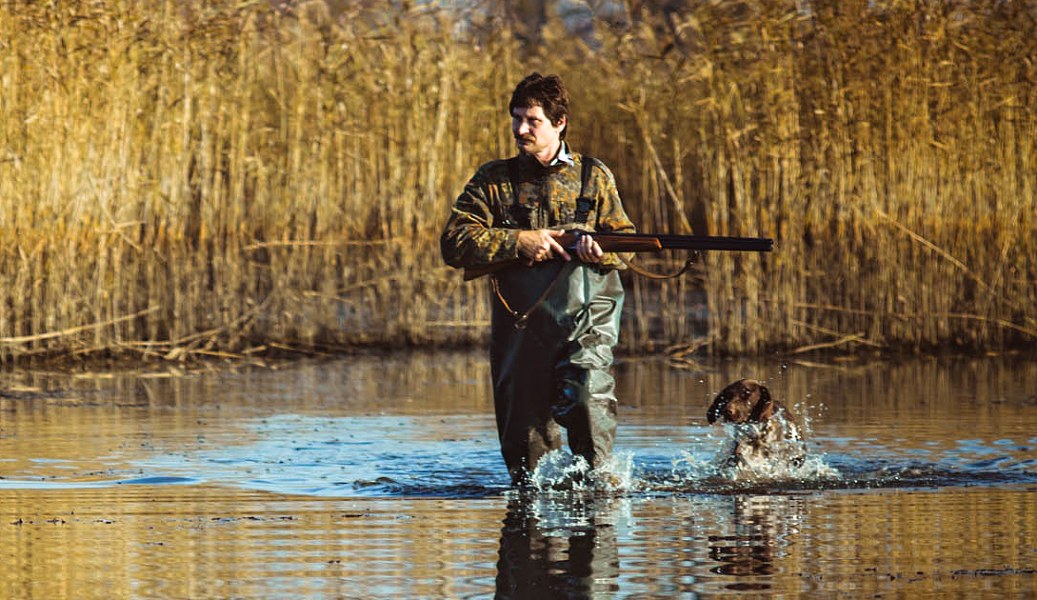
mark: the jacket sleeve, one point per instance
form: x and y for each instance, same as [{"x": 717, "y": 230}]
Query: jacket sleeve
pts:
[
  {"x": 470, "y": 238},
  {"x": 612, "y": 218}
]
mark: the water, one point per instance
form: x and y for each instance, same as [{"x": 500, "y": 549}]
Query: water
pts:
[{"x": 378, "y": 477}]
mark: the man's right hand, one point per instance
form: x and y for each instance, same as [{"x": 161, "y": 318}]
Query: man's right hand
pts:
[{"x": 540, "y": 244}]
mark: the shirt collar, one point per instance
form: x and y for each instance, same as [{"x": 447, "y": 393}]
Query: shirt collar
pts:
[{"x": 564, "y": 157}]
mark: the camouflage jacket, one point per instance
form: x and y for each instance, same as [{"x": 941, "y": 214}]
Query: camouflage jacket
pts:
[{"x": 485, "y": 220}]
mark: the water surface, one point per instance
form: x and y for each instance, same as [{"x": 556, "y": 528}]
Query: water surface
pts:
[{"x": 380, "y": 476}]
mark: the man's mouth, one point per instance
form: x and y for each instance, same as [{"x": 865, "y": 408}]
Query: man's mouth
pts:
[{"x": 524, "y": 140}]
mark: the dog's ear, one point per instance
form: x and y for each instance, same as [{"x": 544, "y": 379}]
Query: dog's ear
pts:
[
  {"x": 718, "y": 406},
  {"x": 764, "y": 408}
]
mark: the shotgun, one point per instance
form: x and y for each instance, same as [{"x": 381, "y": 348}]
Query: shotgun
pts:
[{"x": 639, "y": 242}]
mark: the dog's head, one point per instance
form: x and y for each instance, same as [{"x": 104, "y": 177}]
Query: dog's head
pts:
[{"x": 744, "y": 401}]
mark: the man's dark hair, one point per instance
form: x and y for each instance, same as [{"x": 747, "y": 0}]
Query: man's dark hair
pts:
[{"x": 546, "y": 92}]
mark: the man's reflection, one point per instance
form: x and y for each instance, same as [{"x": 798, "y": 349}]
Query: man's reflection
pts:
[{"x": 558, "y": 548}]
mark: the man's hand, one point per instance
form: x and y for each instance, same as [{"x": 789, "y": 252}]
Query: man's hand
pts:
[
  {"x": 588, "y": 250},
  {"x": 542, "y": 244}
]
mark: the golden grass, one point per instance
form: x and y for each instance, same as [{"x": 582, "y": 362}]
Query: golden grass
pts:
[{"x": 225, "y": 177}]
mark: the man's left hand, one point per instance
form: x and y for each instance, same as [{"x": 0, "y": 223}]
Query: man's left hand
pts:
[{"x": 588, "y": 250}]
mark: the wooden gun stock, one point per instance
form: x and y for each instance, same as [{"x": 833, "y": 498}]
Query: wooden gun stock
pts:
[{"x": 639, "y": 242}]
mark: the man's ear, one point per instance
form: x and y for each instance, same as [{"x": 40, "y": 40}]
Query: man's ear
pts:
[{"x": 764, "y": 408}]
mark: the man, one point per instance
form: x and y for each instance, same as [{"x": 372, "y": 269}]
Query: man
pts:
[{"x": 550, "y": 364}]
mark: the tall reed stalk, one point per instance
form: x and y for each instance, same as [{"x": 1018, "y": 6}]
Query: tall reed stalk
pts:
[{"x": 225, "y": 177}]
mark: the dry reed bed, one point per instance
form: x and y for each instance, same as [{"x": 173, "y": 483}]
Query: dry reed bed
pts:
[{"x": 225, "y": 178}]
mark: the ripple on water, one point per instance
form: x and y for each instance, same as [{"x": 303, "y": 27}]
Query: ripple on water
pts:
[{"x": 457, "y": 456}]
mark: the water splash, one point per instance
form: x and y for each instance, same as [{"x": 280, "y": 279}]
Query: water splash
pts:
[
  {"x": 739, "y": 460},
  {"x": 559, "y": 471},
  {"x": 809, "y": 468}
]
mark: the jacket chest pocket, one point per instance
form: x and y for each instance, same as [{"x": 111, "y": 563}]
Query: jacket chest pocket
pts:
[
  {"x": 527, "y": 211},
  {"x": 586, "y": 210},
  {"x": 509, "y": 213},
  {"x": 580, "y": 211},
  {"x": 512, "y": 214},
  {"x": 523, "y": 216},
  {"x": 564, "y": 213}
]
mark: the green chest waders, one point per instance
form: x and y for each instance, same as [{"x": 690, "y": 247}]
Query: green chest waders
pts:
[{"x": 552, "y": 367}]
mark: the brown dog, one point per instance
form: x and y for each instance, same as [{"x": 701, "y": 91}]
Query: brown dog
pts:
[{"x": 771, "y": 433}]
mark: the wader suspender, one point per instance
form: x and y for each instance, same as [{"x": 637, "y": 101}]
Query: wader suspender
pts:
[{"x": 584, "y": 205}]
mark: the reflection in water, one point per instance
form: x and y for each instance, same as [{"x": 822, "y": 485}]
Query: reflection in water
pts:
[
  {"x": 761, "y": 528},
  {"x": 559, "y": 547},
  {"x": 568, "y": 545}
]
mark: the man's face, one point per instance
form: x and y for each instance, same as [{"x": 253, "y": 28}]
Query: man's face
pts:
[{"x": 534, "y": 132}]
